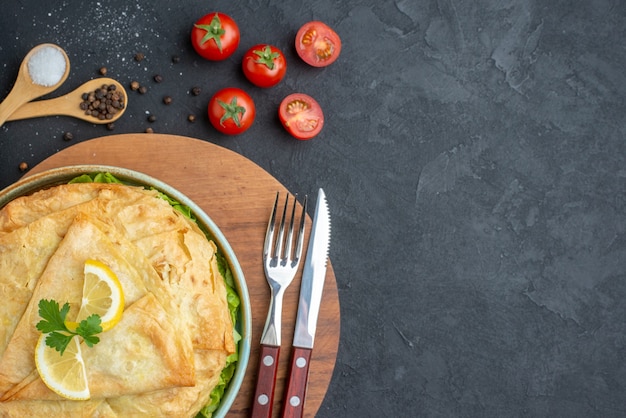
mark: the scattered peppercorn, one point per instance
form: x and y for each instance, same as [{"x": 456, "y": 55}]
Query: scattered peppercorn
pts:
[
  {"x": 158, "y": 78},
  {"x": 103, "y": 70},
  {"x": 196, "y": 91},
  {"x": 151, "y": 118},
  {"x": 102, "y": 103},
  {"x": 110, "y": 126},
  {"x": 191, "y": 118},
  {"x": 134, "y": 85},
  {"x": 68, "y": 136},
  {"x": 23, "y": 166},
  {"x": 175, "y": 59},
  {"x": 149, "y": 130},
  {"x": 139, "y": 56},
  {"x": 143, "y": 89},
  {"x": 167, "y": 100}
]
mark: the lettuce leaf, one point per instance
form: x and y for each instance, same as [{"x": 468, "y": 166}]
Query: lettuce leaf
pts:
[
  {"x": 185, "y": 210},
  {"x": 96, "y": 178}
]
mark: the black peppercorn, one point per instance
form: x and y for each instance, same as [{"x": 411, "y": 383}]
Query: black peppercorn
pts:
[{"x": 103, "y": 103}]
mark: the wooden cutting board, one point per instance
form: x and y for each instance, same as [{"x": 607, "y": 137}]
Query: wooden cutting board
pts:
[{"x": 238, "y": 195}]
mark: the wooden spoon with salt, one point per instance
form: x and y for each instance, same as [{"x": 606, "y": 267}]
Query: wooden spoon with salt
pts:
[
  {"x": 69, "y": 104},
  {"x": 26, "y": 88}
]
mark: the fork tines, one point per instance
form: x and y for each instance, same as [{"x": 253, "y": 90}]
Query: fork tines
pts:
[{"x": 283, "y": 250}]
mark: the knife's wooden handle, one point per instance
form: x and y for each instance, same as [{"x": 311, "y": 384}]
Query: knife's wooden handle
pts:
[
  {"x": 266, "y": 379},
  {"x": 296, "y": 388}
]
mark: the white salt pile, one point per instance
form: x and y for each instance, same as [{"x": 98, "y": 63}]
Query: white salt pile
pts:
[{"x": 47, "y": 66}]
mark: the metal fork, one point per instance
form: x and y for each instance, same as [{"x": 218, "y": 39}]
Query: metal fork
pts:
[{"x": 280, "y": 261}]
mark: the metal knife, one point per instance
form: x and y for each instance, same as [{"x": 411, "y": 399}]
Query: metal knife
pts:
[{"x": 311, "y": 287}]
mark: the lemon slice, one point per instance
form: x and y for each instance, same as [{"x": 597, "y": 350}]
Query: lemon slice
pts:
[
  {"x": 64, "y": 374},
  {"x": 102, "y": 295}
]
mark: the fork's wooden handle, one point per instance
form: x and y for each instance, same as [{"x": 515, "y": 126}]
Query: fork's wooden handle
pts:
[
  {"x": 266, "y": 379},
  {"x": 296, "y": 386}
]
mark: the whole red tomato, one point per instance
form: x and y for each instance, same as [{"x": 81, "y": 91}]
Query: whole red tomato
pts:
[
  {"x": 317, "y": 44},
  {"x": 215, "y": 36},
  {"x": 301, "y": 116},
  {"x": 264, "y": 65},
  {"x": 231, "y": 111}
]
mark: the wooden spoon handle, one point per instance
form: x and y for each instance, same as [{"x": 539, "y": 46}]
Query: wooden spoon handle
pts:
[
  {"x": 8, "y": 106},
  {"x": 61, "y": 106}
]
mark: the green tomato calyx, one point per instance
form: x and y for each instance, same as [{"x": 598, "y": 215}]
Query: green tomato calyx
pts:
[
  {"x": 266, "y": 57},
  {"x": 232, "y": 111},
  {"x": 214, "y": 30}
]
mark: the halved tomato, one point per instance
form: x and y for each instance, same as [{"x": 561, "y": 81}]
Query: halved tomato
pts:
[
  {"x": 301, "y": 116},
  {"x": 317, "y": 44}
]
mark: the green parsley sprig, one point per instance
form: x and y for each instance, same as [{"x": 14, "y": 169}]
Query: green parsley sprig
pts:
[{"x": 59, "y": 336}]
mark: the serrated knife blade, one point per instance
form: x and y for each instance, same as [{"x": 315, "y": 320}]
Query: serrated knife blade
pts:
[{"x": 311, "y": 288}]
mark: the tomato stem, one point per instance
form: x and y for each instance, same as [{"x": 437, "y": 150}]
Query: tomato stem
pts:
[
  {"x": 232, "y": 111},
  {"x": 214, "y": 30},
  {"x": 266, "y": 57}
]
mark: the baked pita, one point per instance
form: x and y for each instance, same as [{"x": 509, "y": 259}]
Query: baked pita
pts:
[
  {"x": 24, "y": 254},
  {"x": 165, "y": 355}
]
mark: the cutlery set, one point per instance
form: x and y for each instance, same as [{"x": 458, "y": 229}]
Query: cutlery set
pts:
[{"x": 281, "y": 259}]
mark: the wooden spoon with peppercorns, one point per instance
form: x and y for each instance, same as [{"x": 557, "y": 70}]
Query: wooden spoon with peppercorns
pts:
[{"x": 100, "y": 101}]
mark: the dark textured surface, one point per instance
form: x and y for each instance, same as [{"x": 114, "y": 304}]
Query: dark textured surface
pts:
[{"x": 474, "y": 160}]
